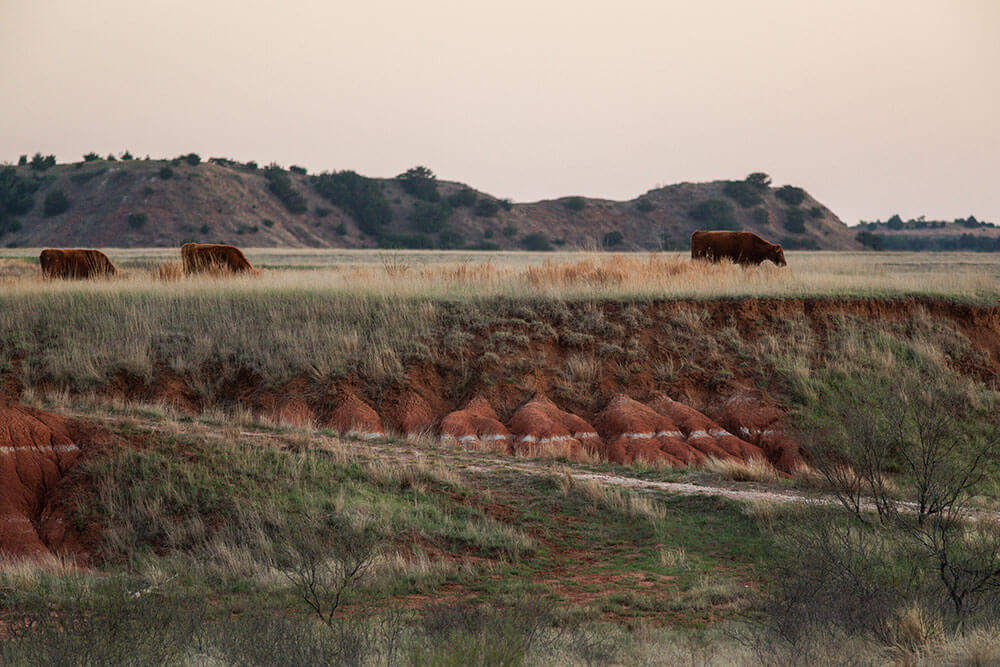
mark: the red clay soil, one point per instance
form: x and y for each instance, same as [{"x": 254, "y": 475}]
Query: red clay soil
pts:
[
  {"x": 409, "y": 413},
  {"x": 352, "y": 415},
  {"x": 759, "y": 421},
  {"x": 37, "y": 448},
  {"x": 540, "y": 427},
  {"x": 476, "y": 426},
  {"x": 702, "y": 433},
  {"x": 636, "y": 432},
  {"x": 289, "y": 404}
]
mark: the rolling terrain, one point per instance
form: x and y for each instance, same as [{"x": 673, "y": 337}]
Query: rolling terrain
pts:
[{"x": 145, "y": 203}]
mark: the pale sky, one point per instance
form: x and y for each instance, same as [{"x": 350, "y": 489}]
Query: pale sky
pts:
[{"x": 874, "y": 106}]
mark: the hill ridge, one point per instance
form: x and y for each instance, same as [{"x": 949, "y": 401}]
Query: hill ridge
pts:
[{"x": 149, "y": 203}]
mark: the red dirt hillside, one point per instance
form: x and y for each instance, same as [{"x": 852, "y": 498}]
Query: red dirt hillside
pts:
[{"x": 37, "y": 448}]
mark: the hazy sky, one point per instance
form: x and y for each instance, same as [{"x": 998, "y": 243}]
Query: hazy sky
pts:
[{"x": 874, "y": 106}]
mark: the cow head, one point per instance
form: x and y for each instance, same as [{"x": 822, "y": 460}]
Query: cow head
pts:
[{"x": 777, "y": 256}]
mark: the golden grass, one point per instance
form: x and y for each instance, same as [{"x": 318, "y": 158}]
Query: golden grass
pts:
[
  {"x": 973, "y": 276},
  {"x": 753, "y": 470}
]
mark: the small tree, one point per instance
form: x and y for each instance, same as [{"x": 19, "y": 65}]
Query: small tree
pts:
[
  {"x": 166, "y": 172},
  {"x": 91, "y": 157},
  {"x": 612, "y": 239},
  {"x": 759, "y": 181},
  {"x": 22, "y": 161},
  {"x": 126, "y": 155},
  {"x": 420, "y": 182},
  {"x": 55, "y": 203},
  {"x": 575, "y": 203},
  {"x": 487, "y": 208},
  {"x": 324, "y": 572},
  {"x": 643, "y": 205},
  {"x": 795, "y": 221},
  {"x": 40, "y": 163},
  {"x": 790, "y": 194},
  {"x": 904, "y": 454},
  {"x": 536, "y": 242},
  {"x": 715, "y": 214},
  {"x": 464, "y": 197}
]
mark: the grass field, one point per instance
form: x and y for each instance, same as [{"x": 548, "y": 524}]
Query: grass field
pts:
[
  {"x": 460, "y": 274},
  {"x": 215, "y": 525}
]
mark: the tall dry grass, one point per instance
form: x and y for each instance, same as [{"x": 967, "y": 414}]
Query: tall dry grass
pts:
[{"x": 412, "y": 274}]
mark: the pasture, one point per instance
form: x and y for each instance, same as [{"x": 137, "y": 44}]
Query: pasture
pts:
[
  {"x": 260, "y": 436},
  {"x": 557, "y": 275}
]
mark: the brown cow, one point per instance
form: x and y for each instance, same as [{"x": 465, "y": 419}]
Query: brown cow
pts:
[
  {"x": 741, "y": 247},
  {"x": 199, "y": 257},
  {"x": 75, "y": 263}
]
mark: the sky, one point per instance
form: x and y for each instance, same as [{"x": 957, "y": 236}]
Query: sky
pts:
[{"x": 874, "y": 106}]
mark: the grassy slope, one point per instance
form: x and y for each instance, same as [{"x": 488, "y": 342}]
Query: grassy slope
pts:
[{"x": 232, "y": 204}]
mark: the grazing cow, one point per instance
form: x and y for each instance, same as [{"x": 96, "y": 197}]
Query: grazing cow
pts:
[
  {"x": 741, "y": 247},
  {"x": 75, "y": 263},
  {"x": 199, "y": 257}
]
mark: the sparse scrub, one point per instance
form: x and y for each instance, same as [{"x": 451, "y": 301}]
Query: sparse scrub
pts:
[{"x": 56, "y": 203}]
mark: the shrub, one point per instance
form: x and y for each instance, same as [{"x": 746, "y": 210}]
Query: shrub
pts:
[
  {"x": 204, "y": 229},
  {"x": 816, "y": 212},
  {"x": 611, "y": 239},
  {"x": 360, "y": 196},
  {"x": 192, "y": 159},
  {"x": 575, "y": 203},
  {"x": 430, "y": 217},
  {"x": 488, "y": 234},
  {"x": 799, "y": 243},
  {"x": 715, "y": 214},
  {"x": 166, "y": 172},
  {"x": 136, "y": 220},
  {"x": 91, "y": 157},
  {"x": 17, "y": 196},
  {"x": 742, "y": 193},
  {"x": 760, "y": 216},
  {"x": 795, "y": 220},
  {"x": 758, "y": 180},
  {"x": 322, "y": 212},
  {"x": 420, "y": 182},
  {"x": 870, "y": 240},
  {"x": 790, "y": 194},
  {"x": 643, "y": 205},
  {"x": 126, "y": 155},
  {"x": 510, "y": 231},
  {"x": 22, "y": 161},
  {"x": 450, "y": 239},
  {"x": 340, "y": 230},
  {"x": 251, "y": 165},
  {"x": 55, "y": 203},
  {"x": 268, "y": 222},
  {"x": 485, "y": 245},
  {"x": 536, "y": 241},
  {"x": 462, "y": 198},
  {"x": 506, "y": 204},
  {"x": 487, "y": 208},
  {"x": 39, "y": 163},
  {"x": 295, "y": 169},
  {"x": 281, "y": 186},
  {"x": 406, "y": 241},
  {"x": 111, "y": 158}
]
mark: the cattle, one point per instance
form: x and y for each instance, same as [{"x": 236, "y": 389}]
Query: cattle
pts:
[
  {"x": 741, "y": 247},
  {"x": 214, "y": 257},
  {"x": 75, "y": 263}
]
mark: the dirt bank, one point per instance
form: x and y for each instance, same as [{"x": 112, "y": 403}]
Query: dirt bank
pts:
[{"x": 667, "y": 381}]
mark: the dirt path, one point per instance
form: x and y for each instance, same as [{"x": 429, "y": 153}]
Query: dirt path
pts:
[{"x": 434, "y": 453}]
